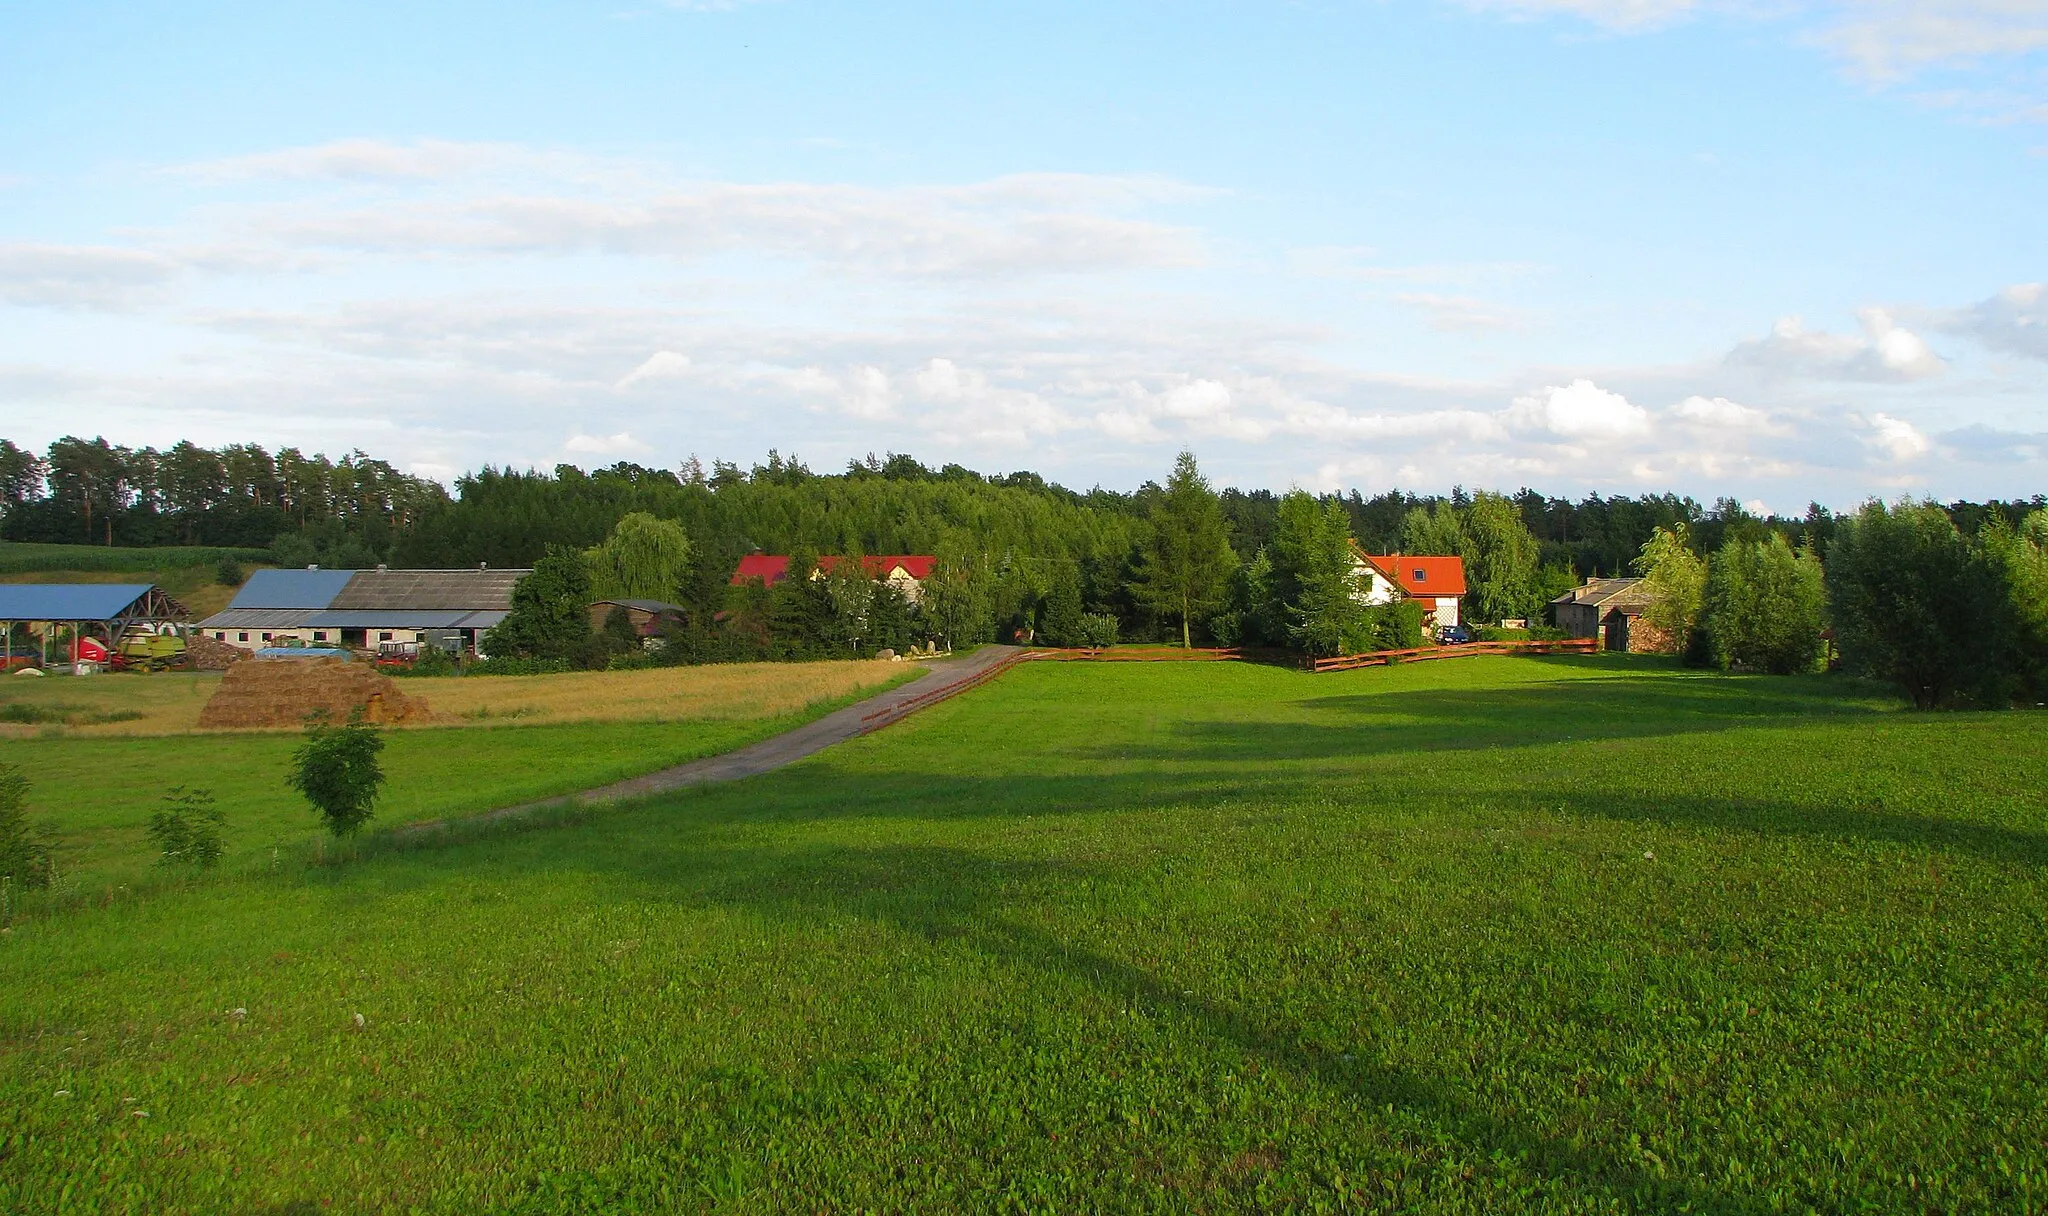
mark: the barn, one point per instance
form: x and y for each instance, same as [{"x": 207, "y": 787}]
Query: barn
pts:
[{"x": 391, "y": 612}]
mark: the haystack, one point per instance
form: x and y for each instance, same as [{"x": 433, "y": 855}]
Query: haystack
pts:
[{"x": 284, "y": 692}]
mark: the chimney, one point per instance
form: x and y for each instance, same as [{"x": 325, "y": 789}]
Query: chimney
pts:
[
  {"x": 483, "y": 565},
  {"x": 313, "y": 566},
  {"x": 381, "y": 568}
]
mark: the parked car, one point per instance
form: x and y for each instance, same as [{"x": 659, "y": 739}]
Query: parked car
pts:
[{"x": 1453, "y": 635}]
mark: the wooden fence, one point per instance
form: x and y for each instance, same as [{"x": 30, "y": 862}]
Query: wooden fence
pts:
[
  {"x": 1381, "y": 658},
  {"x": 903, "y": 709}
]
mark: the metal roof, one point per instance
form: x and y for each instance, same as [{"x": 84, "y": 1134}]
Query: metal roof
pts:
[
  {"x": 291, "y": 588},
  {"x": 1601, "y": 591},
  {"x": 71, "y": 601},
  {"x": 411, "y": 590},
  {"x": 403, "y": 618},
  {"x": 257, "y": 618}
]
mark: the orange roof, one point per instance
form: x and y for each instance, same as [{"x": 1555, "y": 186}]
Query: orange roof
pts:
[
  {"x": 770, "y": 568},
  {"x": 1421, "y": 577}
]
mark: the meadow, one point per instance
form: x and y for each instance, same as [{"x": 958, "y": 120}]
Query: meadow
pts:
[
  {"x": 1545, "y": 935},
  {"x": 496, "y": 741}
]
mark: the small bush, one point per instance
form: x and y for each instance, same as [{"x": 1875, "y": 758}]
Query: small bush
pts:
[
  {"x": 1098, "y": 629},
  {"x": 432, "y": 661},
  {"x": 24, "y": 847},
  {"x": 228, "y": 573},
  {"x": 509, "y": 666},
  {"x": 187, "y": 831},
  {"x": 338, "y": 772}
]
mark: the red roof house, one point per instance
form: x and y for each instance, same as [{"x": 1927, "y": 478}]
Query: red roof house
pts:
[
  {"x": 1438, "y": 583},
  {"x": 906, "y": 572}
]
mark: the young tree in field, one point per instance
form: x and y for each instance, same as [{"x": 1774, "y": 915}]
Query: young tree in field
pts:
[
  {"x": 1765, "y": 607},
  {"x": 1676, "y": 579},
  {"x": 1314, "y": 570},
  {"x": 1186, "y": 560},
  {"x": 644, "y": 558},
  {"x": 24, "y": 850},
  {"x": 550, "y": 616},
  {"x": 338, "y": 772},
  {"x": 1500, "y": 559},
  {"x": 187, "y": 829}
]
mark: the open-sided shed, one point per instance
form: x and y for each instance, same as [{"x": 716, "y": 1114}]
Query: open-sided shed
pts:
[{"x": 107, "y": 609}]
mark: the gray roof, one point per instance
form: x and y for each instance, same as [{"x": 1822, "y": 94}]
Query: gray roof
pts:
[
  {"x": 291, "y": 588},
  {"x": 656, "y": 606},
  {"x": 1605, "y": 592},
  {"x": 412, "y": 590},
  {"x": 257, "y": 618},
  {"x": 71, "y": 601},
  {"x": 404, "y": 618}
]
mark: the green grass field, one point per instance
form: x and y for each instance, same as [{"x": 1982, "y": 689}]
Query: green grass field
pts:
[{"x": 1566, "y": 935}]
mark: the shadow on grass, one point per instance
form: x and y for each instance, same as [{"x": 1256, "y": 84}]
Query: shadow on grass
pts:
[
  {"x": 956, "y": 898},
  {"x": 1372, "y": 723}
]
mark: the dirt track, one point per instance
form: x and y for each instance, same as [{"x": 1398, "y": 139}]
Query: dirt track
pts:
[{"x": 942, "y": 678}]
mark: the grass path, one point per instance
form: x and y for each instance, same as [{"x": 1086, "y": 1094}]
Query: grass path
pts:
[{"x": 1519, "y": 935}]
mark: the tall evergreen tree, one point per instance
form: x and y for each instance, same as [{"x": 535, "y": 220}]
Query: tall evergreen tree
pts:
[{"x": 1187, "y": 558}]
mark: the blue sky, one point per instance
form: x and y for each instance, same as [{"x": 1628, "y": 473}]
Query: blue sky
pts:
[{"x": 1783, "y": 252}]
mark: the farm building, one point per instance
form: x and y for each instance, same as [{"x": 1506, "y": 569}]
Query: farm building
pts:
[
  {"x": 647, "y": 616},
  {"x": 1438, "y": 583},
  {"x": 98, "y": 615},
  {"x": 388, "y": 611},
  {"x": 1611, "y": 610},
  {"x": 905, "y": 573}
]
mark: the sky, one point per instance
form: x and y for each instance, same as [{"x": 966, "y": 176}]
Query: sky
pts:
[{"x": 1776, "y": 250}]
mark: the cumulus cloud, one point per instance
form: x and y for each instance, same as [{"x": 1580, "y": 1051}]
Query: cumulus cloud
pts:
[
  {"x": 1887, "y": 40},
  {"x": 1581, "y": 410},
  {"x": 1886, "y": 351},
  {"x": 1898, "y": 440},
  {"x": 80, "y": 276}
]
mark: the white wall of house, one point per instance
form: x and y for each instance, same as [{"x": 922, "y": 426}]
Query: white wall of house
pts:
[
  {"x": 1377, "y": 588},
  {"x": 257, "y": 639}
]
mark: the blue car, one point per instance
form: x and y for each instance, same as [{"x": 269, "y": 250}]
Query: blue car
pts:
[{"x": 1455, "y": 635}]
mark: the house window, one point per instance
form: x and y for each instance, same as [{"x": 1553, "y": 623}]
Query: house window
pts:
[
  {"x": 319, "y": 635},
  {"x": 220, "y": 635},
  {"x": 243, "y": 636},
  {"x": 266, "y": 637},
  {"x": 1421, "y": 575},
  {"x": 384, "y": 636}
]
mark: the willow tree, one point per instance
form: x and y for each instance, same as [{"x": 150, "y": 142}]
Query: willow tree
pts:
[{"x": 644, "y": 558}]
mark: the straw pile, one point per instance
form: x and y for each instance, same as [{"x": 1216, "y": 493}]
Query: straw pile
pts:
[
  {"x": 284, "y": 692},
  {"x": 206, "y": 654}
]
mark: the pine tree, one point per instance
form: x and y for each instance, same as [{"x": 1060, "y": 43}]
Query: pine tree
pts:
[{"x": 1187, "y": 558}]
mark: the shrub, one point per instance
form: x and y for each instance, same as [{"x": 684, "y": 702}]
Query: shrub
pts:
[
  {"x": 1098, "y": 629},
  {"x": 24, "y": 847},
  {"x": 431, "y": 661},
  {"x": 1916, "y": 604},
  {"x": 338, "y": 772},
  {"x": 188, "y": 829},
  {"x": 1765, "y": 608},
  {"x": 228, "y": 573}
]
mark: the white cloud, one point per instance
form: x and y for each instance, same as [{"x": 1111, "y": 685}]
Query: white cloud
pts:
[
  {"x": 1887, "y": 40},
  {"x": 1580, "y": 410},
  {"x": 1462, "y": 313},
  {"x": 661, "y": 365},
  {"x": 372, "y": 160},
  {"x": 621, "y": 444},
  {"x": 1723, "y": 414},
  {"x": 1899, "y": 440},
  {"x": 1887, "y": 351},
  {"x": 1609, "y": 14},
  {"x": 80, "y": 276}
]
